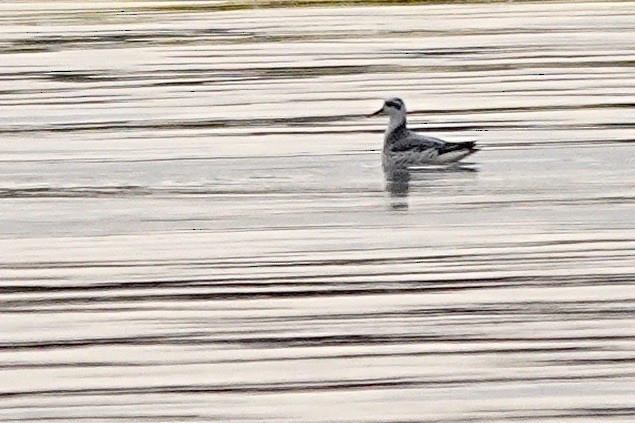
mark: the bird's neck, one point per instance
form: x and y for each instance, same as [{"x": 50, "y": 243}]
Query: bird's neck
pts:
[
  {"x": 396, "y": 122},
  {"x": 396, "y": 128}
]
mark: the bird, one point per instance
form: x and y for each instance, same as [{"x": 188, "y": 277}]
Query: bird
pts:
[{"x": 404, "y": 148}]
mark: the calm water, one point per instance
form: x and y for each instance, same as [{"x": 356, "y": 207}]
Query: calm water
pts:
[{"x": 195, "y": 226}]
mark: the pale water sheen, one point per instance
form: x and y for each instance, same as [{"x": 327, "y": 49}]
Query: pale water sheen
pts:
[{"x": 195, "y": 225}]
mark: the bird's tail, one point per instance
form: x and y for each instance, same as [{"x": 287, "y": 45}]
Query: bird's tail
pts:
[{"x": 468, "y": 145}]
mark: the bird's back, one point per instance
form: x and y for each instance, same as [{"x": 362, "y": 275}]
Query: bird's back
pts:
[{"x": 403, "y": 139}]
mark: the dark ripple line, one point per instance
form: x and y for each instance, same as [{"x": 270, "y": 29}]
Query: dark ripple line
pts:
[
  {"x": 541, "y": 414},
  {"x": 306, "y": 120},
  {"x": 144, "y": 191},
  {"x": 163, "y": 417},
  {"x": 198, "y": 338},
  {"x": 308, "y": 386},
  {"x": 449, "y": 286},
  {"x": 482, "y": 351},
  {"x": 286, "y": 262},
  {"x": 324, "y": 280}
]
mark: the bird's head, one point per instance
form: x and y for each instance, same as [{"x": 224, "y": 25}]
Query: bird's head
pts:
[{"x": 392, "y": 107}]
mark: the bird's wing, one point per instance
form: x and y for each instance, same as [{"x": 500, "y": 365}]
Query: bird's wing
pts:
[
  {"x": 449, "y": 147},
  {"x": 411, "y": 141}
]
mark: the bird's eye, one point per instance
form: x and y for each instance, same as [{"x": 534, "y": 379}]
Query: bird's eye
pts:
[{"x": 393, "y": 105}]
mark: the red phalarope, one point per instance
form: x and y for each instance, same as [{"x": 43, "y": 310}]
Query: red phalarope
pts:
[{"x": 404, "y": 148}]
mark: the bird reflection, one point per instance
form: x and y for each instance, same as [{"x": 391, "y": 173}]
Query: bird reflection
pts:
[
  {"x": 398, "y": 185},
  {"x": 398, "y": 180}
]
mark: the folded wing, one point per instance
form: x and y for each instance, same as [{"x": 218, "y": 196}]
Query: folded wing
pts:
[{"x": 413, "y": 142}]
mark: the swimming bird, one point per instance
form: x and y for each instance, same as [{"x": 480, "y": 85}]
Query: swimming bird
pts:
[{"x": 404, "y": 148}]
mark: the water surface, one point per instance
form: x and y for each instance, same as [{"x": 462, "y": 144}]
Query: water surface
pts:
[{"x": 195, "y": 225}]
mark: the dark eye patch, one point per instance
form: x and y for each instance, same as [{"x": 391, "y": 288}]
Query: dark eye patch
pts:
[{"x": 393, "y": 104}]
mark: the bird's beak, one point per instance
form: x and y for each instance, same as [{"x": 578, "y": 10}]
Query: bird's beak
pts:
[{"x": 378, "y": 112}]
